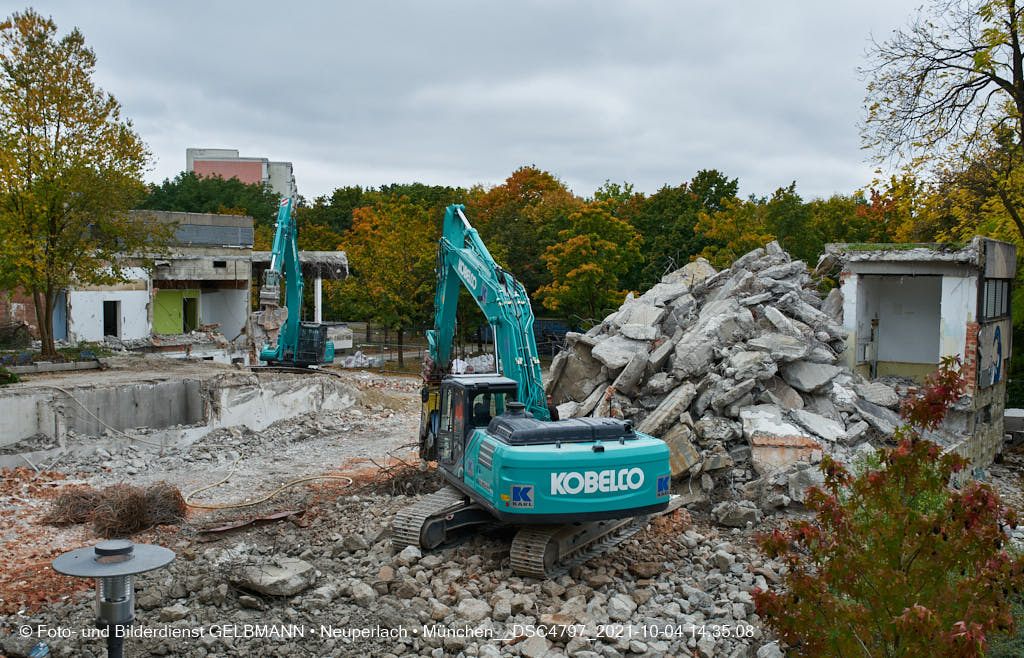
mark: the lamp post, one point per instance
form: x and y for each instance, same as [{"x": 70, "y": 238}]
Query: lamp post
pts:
[{"x": 113, "y": 563}]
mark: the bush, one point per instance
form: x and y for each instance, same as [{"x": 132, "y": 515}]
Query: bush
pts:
[{"x": 895, "y": 563}]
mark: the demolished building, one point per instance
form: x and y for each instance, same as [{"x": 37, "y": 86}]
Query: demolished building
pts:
[
  {"x": 741, "y": 372},
  {"x": 906, "y": 307}
]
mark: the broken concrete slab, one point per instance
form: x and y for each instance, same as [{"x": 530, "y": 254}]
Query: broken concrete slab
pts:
[
  {"x": 752, "y": 364},
  {"x": 832, "y": 305},
  {"x": 774, "y": 442},
  {"x": 736, "y": 514},
  {"x": 716, "y": 428},
  {"x": 581, "y": 374},
  {"x": 692, "y": 273},
  {"x": 880, "y": 418},
  {"x": 785, "y": 394},
  {"x": 662, "y": 351},
  {"x": 662, "y": 294},
  {"x": 878, "y": 393},
  {"x": 284, "y": 577},
  {"x": 631, "y": 374},
  {"x": 781, "y": 347},
  {"x": 668, "y": 411},
  {"x": 692, "y": 357},
  {"x": 809, "y": 377},
  {"x": 616, "y": 351},
  {"x": 731, "y": 394},
  {"x": 682, "y": 455},
  {"x": 826, "y": 428}
]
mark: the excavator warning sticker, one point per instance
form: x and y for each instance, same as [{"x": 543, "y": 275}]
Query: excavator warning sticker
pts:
[
  {"x": 663, "y": 486},
  {"x": 522, "y": 496}
]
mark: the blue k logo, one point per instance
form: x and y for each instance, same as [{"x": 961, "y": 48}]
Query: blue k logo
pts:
[
  {"x": 663, "y": 486},
  {"x": 522, "y": 495}
]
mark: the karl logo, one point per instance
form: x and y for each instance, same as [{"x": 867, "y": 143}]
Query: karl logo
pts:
[
  {"x": 573, "y": 482},
  {"x": 466, "y": 275},
  {"x": 663, "y": 486},
  {"x": 522, "y": 496}
]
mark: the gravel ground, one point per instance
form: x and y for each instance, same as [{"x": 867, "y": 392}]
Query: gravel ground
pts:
[{"x": 324, "y": 580}]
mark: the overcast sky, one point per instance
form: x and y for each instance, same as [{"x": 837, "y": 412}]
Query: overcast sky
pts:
[{"x": 458, "y": 93}]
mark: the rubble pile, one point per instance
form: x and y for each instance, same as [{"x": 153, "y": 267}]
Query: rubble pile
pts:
[{"x": 737, "y": 371}]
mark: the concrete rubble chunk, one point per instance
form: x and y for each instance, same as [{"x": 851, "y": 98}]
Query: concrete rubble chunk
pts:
[
  {"x": 784, "y": 271},
  {"x": 660, "y": 383},
  {"x": 774, "y": 442},
  {"x": 284, "y": 577},
  {"x": 880, "y": 394},
  {"x": 591, "y": 402},
  {"x": 616, "y": 351},
  {"x": 826, "y": 428},
  {"x": 780, "y": 347},
  {"x": 692, "y": 273},
  {"x": 692, "y": 357},
  {"x": 781, "y": 322},
  {"x": 716, "y": 428},
  {"x": 736, "y": 514},
  {"x": 732, "y": 394},
  {"x": 784, "y": 394},
  {"x": 662, "y": 294},
  {"x": 752, "y": 364},
  {"x": 832, "y": 305},
  {"x": 632, "y": 373},
  {"x": 682, "y": 455},
  {"x": 802, "y": 479},
  {"x": 773, "y": 248},
  {"x": 661, "y": 353},
  {"x": 668, "y": 411},
  {"x": 880, "y": 418},
  {"x": 473, "y": 609},
  {"x": 809, "y": 377},
  {"x": 745, "y": 261}
]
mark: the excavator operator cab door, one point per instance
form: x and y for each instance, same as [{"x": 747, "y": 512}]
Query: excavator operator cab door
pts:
[{"x": 451, "y": 433}]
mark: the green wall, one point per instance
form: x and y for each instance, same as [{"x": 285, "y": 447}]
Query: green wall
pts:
[{"x": 167, "y": 310}]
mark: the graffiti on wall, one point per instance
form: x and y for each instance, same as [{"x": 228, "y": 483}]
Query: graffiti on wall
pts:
[{"x": 993, "y": 351}]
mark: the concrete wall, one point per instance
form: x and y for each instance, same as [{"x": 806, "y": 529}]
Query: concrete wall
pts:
[
  {"x": 225, "y": 307},
  {"x": 907, "y": 309},
  {"x": 85, "y": 312},
  {"x": 205, "y": 264},
  {"x": 959, "y": 304}
]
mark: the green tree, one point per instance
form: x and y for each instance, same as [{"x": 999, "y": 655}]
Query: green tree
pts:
[
  {"x": 739, "y": 227},
  {"x": 334, "y": 211},
  {"x": 949, "y": 89},
  {"x": 392, "y": 250},
  {"x": 70, "y": 168},
  {"x": 587, "y": 262},
  {"x": 667, "y": 220},
  {"x": 789, "y": 219},
  {"x": 214, "y": 194}
]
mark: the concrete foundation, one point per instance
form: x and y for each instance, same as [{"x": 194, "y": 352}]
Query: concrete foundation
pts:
[{"x": 180, "y": 411}]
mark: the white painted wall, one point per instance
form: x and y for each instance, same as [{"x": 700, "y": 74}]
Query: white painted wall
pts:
[
  {"x": 85, "y": 313},
  {"x": 85, "y": 309},
  {"x": 908, "y": 311},
  {"x": 959, "y": 304},
  {"x": 226, "y": 308}
]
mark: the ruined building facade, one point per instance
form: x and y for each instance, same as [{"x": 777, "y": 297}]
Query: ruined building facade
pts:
[{"x": 906, "y": 307}]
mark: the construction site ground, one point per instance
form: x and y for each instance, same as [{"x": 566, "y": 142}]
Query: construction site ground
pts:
[{"x": 311, "y": 571}]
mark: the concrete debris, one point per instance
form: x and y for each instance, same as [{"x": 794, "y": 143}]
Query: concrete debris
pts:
[
  {"x": 736, "y": 370},
  {"x": 285, "y": 577}
]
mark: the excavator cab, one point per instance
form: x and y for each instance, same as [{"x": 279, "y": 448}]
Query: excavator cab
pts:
[{"x": 465, "y": 403}]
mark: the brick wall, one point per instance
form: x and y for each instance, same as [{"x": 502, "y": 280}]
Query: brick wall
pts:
[
  {"x": 970, "y": 369},
  {"x": 19, "y": 307}
]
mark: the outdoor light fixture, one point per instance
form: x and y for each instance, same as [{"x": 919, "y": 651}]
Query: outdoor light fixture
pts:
[{"x": 113, "y": 563}]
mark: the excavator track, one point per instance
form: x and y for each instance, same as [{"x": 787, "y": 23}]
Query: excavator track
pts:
[
  {"x": 545, "y": 552},
  {"x": 408, "y": 526}
]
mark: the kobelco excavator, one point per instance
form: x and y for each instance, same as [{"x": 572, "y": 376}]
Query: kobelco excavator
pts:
[
  {"x": 291, "y": 342},
  {"x": 573, "y": 486}
]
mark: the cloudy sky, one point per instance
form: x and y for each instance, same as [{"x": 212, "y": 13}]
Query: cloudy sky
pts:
[{"x": 464, "y": 92}]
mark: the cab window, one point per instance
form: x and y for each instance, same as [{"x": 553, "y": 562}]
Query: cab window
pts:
[{"x": 486, "y": 406}]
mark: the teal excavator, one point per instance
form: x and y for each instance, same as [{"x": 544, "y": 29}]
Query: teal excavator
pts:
[
  {"x": 571, "y": 487},
  {"x": 298, "y": 344}
]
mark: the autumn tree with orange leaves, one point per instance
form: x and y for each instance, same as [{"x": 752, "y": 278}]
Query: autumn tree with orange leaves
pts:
[{"x": 391, "y": 250}]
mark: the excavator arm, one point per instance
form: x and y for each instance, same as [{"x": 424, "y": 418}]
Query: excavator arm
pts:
[{"x": 463, "y": 260}]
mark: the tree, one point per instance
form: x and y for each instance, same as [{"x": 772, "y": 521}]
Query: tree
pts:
[
  {"x": 521, "y": 218},
  {"x": 950, "y": 89},
  {"x": 895, "y": 562},
  {"x": 587, "y": 262},
  {"x": 70, "y": 168},
  {"x": 739, "y": 227},
  {"x": 214, "y": 194},
  {"x": 667, "y": 219},
  {"x": 392, "y": 249}
]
